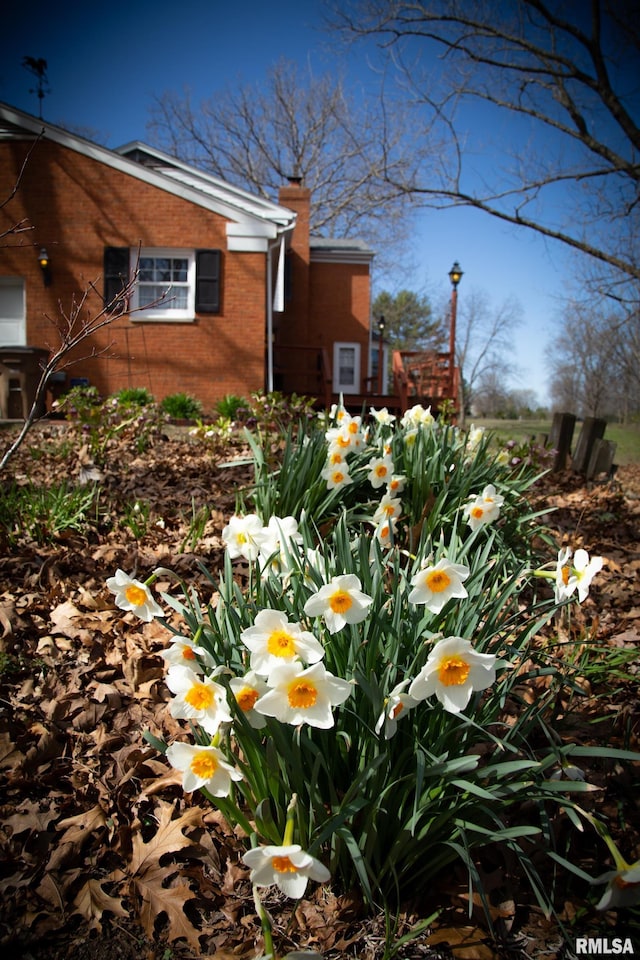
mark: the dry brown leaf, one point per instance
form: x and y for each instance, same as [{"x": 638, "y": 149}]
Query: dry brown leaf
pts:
[
  {"x": 92, "y": 900},
  {"x": 78, "y": 828},
  {"x": 158, "y": 899},
  {"x": 168, "y": 838},
  {"x": 466, "y": 943}
]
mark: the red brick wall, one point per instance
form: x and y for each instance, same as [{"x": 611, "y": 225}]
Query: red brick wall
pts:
[{"x": 77, "y": 206}]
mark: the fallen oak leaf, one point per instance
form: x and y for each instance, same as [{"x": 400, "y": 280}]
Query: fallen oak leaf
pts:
[
  {"x": 92, "y": 901},
  {"x": 170, "y": 900},
  {"x": 168, "y": 838},
  {"x": 78, "y": 828}
]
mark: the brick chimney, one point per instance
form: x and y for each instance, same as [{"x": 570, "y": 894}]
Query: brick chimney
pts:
[{"x": 298, "y": 198}]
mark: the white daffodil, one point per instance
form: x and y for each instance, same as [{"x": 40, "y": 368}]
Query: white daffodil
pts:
[
  {"x": 484, "y": 508},
  {"x": 247, "y": 690},
  {"x": 453, "y": 671},
  {"x": 200, "y": 699},
  {"x": 584, "y": 570},
  {"x": 134, "y": 596},
  {"x": 338, "y": 438},
  {"x": 389, "y": 508},
  {"x": 623, "y": 886},
  {"x": 273, "y": 640},
  {"x": 337, "y": 412},
  {"x": 289, "y": 867},
  {"x": 418, "y": 416},
  {"x": 339, "y": 602},
  {"x": 575, "y": 576},
  {"x": 380, "y": 471},
  {"x": 185, "y": 652},
  {"x": 434, "y": 586},
  {"x": 279, "y": 535},
  {"x": 384, "y": 534},
  {"x": 395, "y": 706},
  {"x": 474, "y": 439},
  {"x": 240, "y": 536},
  {"x": 202, "y": 767},
  {"x": 396, "y": 485},
  {"x": 336, "y": 475},
  {"x": 303, "y": 695},
  {"x": 382, "y": 416}
]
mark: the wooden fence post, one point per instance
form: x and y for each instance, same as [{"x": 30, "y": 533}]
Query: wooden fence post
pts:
[
  {"x": 560, "y": 438},
  {"x": 592, "y": 430}
]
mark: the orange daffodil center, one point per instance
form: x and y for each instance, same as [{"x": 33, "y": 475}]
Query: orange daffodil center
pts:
[
  {"x": 453, "y": 671},
  {"x": 281, "y": 644},
  {"x": 340, "y": 601},
  {"x": 302, "y": 693},
  {"x": 135, "y": 595},
  {"x": 283, "y": 865},
  {"x": 199, "y": 696},
  {"x": 204, "y": 765}
]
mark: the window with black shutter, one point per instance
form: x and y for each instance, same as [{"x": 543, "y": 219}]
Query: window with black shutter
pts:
[
  {"x": 116, "y": 277},
  {"x": 208, "y": 281}
]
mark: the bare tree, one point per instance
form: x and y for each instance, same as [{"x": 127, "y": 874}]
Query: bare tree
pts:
[
  {"x": 594, "y": 361},
  {"x": 350, "y": 153},
  {"x": 483, "y": 343},
  {"x": 555, "y": 86}
]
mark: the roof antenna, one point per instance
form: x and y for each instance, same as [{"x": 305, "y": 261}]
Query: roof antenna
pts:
[{"x": 39, "y": 69}]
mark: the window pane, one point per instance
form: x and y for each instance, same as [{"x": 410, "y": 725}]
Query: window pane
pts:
[
  {"x": 347, "y": 365},
  {"x": 180, "y": 271},
  {"x": 163, "y": 269}
]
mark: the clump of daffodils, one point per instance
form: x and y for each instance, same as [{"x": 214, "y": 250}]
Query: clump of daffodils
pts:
[{"x": 363, "y": 655}]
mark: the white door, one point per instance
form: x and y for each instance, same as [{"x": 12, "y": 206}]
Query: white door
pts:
[
  {"x": 13, "y": 317},
  {"x": 346, "y": 368}
]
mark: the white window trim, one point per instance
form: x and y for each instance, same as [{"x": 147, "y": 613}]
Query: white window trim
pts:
[
  {"x": 162, "y": 313},
  {"x": 348, "y": 388}
]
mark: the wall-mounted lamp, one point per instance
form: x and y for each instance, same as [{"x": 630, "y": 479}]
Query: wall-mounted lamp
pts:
[{"x": 43, "y": 260}]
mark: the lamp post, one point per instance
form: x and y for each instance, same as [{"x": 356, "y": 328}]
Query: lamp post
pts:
[
  {"x": 455, "y": 275},
  {"x": 381, "y": 326}
]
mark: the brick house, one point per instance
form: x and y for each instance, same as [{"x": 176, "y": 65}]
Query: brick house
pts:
[{"x": 254, "y": 302}]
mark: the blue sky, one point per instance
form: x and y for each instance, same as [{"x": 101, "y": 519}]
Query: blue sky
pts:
[{"x": 107, "y": 61}]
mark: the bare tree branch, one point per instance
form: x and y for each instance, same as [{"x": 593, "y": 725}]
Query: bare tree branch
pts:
[{"x": 566, "y": 75}]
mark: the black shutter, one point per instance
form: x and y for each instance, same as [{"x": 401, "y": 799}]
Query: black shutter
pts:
[
  {"x": 116, "y": 277},
  {"x": 208, "y": 281}
]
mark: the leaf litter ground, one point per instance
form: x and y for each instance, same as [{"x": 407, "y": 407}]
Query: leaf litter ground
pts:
[{"x": 102, "y": 854}]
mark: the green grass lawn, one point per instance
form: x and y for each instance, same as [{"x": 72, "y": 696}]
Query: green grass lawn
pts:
[{"x": 626, "y": 438}]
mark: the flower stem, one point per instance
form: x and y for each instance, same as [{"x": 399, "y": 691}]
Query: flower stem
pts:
[{"x": 265, "y": 923}]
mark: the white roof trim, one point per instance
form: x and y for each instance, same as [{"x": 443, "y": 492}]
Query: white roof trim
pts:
[{"x": 258, "y": 217}]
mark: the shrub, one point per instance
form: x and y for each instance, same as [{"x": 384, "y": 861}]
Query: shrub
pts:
[
  {"x": 229, "y": 406},
  {"x": 134, "y": 397},
  {"x": 181, "y": 406}
]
